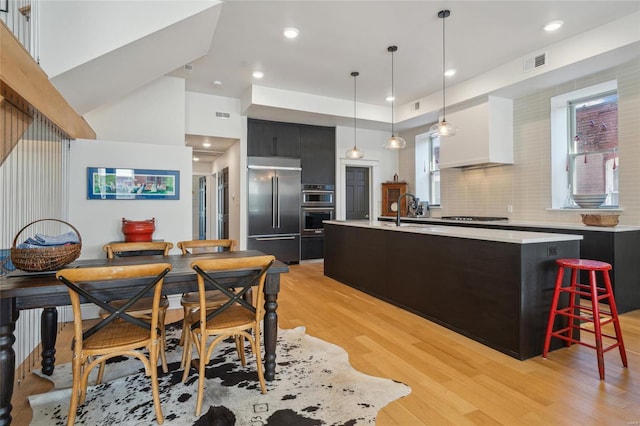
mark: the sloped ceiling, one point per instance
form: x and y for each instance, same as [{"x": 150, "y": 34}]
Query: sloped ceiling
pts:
[{"x": 115, "y": 74}]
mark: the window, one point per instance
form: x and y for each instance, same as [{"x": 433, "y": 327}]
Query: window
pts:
[
  {"x": 584, "y": 145},
  {"x": 593, "y": 146},
  {"x": 428, "y": 167}
]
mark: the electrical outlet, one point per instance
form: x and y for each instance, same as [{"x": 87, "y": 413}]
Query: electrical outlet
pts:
[
  {"x": 509, "y": 208},
  {"x": 552, "y": 251}
]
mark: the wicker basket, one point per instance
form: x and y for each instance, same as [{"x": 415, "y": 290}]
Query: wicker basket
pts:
[
  {"x": 46, "y": 258},
  {"x": 600, "y": 219}
]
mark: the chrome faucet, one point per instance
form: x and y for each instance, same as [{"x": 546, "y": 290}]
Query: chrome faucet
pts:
[{"x": 416, "y": 202}]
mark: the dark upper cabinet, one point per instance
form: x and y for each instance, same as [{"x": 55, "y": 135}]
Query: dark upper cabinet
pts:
[
  {"x": 273, "y": 139},
  {"x": 318, "y": 155}
]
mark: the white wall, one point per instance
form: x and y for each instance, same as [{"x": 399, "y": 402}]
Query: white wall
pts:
[
  {"x": 231, "y": 159},
  {"x": 384, "y": 164},
  {"x": 100, "y": 221},
  {"x": 153, "y": 114},
  {"x": 201, "y": 116}
]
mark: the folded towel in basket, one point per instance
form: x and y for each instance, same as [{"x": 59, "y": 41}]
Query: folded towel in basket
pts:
[
  {"x": 57, "y": 240},
  {"x": 41, "y": 240}
]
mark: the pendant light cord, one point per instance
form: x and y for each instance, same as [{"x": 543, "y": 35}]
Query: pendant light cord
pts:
[
  {"x": 443, "y": 69},
  {"x": 443, "y": 14},
  {"x": 354, "y": 74},
  {"x": 393, "y": 98}
]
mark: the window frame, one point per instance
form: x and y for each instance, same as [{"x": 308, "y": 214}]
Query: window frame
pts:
[
  {"x": 560, "y": 135},
  {"x": 428, "y": 174}
]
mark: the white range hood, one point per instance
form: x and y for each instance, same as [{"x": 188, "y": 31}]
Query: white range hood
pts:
[{"x": 484, "y": 136}]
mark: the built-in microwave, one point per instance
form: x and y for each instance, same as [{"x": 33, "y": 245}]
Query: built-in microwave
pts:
[
  {"x": 318, "y": 195},
  {"x": 312, "y": 218}
]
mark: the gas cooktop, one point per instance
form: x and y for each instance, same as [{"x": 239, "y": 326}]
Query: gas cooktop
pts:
[{"x": 477, "y": 218}]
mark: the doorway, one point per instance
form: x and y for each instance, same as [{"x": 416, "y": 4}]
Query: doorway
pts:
[
  {"x": 357, "y": 193},
  {"x": 202, "y": 208},
  {"x": 223, "y": 204}
]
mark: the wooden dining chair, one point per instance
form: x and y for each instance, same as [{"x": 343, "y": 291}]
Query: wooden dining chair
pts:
[
  {"x": 137, "y": 248},
  {"x": 190, "y": 301},
  {"x": 206, "y": 246},
  {"x": 236, "y": 317},
  {"x": 142, "y": 308},
  {"x": 119, "y": 334}
]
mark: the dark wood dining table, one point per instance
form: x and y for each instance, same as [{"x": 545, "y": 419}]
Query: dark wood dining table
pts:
[{"x": 23, "y": 290}]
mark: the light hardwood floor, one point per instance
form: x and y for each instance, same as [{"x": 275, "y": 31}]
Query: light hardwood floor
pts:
[{"x": 454, "y": 380}]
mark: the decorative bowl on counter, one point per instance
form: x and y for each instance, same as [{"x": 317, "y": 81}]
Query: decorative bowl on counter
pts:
[
  {"x": 600, "y": 219},
  {"x": 589, "y": 201}
]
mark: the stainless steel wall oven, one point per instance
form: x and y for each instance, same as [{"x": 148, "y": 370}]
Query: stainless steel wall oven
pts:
[
  {"x": 311, "y": 219},
  {"x": 318, "y": 195}
]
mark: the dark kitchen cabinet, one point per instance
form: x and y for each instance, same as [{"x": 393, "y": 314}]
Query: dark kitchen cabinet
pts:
[
  {"x": 311, "y": 248},
  {"x": 620, "y": 249},
  {"x": 318, "y": 155},
  {"x": 273, "y": 139}
]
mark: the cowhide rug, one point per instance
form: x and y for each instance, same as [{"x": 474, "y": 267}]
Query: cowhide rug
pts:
[{"x": 314, "y": 385}]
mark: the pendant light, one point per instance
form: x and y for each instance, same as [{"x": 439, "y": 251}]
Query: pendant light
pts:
[
  {"x": 443, "y": 128},
  {"x": 354, "y": 153},
  {"x": 394, "y": 142}
]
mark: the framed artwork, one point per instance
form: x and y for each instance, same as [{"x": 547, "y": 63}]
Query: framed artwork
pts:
[
  {"x": 4, "y": 5},
  {"x": 132, "y": 184}
]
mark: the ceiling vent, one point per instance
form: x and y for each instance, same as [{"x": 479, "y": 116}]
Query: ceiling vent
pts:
[
  {"x": 222, "y": 114},
  {"x": 534, "y": 62}
]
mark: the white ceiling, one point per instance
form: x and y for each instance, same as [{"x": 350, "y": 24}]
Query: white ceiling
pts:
[{"x": 337, "y": 37}]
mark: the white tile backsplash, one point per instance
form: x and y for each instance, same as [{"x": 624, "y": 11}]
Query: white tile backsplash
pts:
[{"x": 526, "y": 185}]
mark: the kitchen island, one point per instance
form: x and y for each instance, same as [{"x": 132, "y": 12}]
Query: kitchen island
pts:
[
  {"x": 494, "y": 286},
  {"x": 616, "y": 245}
]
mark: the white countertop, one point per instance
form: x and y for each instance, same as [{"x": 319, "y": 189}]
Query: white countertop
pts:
[
  {"x": 498, "y": 235},
  {"x": 554, "y": 225}
]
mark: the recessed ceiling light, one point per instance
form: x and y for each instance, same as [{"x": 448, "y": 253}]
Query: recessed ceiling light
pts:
[
  {"x": 206, "y": 144},
  {"x": 450, "y": 72},
  {"x": 258, "y": 74},
  {"x": 291, "y": 32},
  {"x": 390, "y": 99},
  {"x": 216, "y": 83},
  {"x": 553, "y": 25},
  {"x": 196, "y": 159}
]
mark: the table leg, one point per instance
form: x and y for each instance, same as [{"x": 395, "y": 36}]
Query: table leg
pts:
[
  {"x": 48, "y": 335},
  {"x": 270, "y": 335},
  {"x": 8, "y": 318}
]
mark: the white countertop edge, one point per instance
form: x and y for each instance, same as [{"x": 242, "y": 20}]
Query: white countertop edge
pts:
[
  {"x": 497, "y": 235},
  {"x": 555, "y": 225}
]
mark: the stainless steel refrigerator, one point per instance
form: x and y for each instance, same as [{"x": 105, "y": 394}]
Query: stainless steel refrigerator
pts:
[{"x": 274, "y": 207}]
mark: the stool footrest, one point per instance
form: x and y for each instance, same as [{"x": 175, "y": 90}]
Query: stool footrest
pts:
[
  {"x": 586, "y": 291},
  {"x": 605, "y": 317},
  {"x": 589, "y": 345}
]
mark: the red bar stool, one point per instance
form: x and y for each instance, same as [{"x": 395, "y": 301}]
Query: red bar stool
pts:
[{"x": 579, "y": 315}]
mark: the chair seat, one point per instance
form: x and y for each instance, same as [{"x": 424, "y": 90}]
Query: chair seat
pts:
[
  {"x": 233, "y": 317},
  {"x": 119, "y": 333},
  {"x": 141, "y": 307},
  {"x": 213, "y": 298}
]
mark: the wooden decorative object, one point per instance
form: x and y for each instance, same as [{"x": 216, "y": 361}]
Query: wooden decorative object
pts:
[{"x": 390, "y": 193}]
